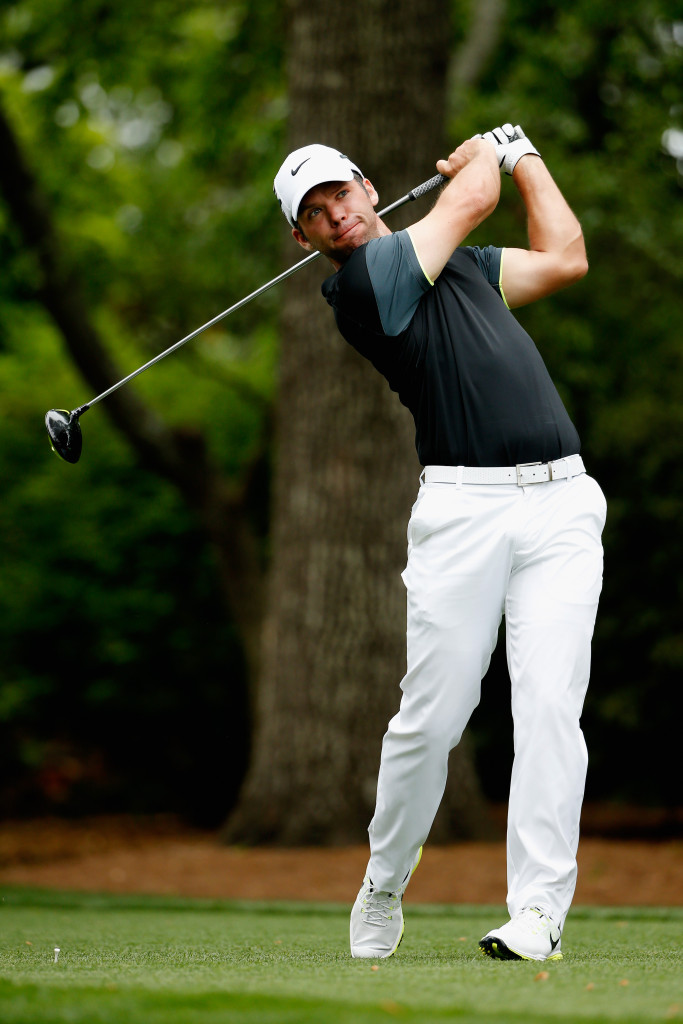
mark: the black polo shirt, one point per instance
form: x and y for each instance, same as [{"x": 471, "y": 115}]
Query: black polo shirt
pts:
[{"x": 473, "y": 379}]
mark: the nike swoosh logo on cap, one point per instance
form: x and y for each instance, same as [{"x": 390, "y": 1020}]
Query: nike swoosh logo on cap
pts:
[{"x": 297, "y": 169}]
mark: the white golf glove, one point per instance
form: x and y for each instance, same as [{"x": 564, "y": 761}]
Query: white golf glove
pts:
[{"x": 511, "y": 144}]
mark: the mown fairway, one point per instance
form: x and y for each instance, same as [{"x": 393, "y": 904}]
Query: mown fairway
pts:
[{"x": 200, "y": 962}]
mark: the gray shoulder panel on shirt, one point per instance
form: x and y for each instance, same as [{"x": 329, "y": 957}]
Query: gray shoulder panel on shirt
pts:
[{"x": 397, "y": 279}]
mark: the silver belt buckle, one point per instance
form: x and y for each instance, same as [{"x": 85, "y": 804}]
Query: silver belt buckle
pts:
[{"x": 523, "y": 479}]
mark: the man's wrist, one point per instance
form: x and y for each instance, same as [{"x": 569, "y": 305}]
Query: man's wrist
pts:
[{"x": 515, "y": 151}]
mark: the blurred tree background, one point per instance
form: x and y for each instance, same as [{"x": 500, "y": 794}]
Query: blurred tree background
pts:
[{"x": 127, "y": 659}]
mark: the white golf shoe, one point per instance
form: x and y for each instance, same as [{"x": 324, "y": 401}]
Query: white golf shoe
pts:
[
  {"x": 529, "y": 935},
  {"x": 377, "y": 919}
]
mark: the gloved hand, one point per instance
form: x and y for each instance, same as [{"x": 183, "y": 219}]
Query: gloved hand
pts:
[{"x": 510, "y": 144}]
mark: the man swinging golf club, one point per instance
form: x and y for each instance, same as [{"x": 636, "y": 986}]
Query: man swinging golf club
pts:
[{"x": 506, "y": 519}]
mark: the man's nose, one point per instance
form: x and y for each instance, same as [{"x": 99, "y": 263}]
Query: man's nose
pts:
[{"x": 337, "y": 213}]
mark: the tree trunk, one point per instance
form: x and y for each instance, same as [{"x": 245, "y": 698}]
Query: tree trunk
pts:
[{"x": 369, "y": 80}]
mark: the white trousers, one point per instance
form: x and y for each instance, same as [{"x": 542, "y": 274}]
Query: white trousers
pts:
[{"x": 475, "y": 552}]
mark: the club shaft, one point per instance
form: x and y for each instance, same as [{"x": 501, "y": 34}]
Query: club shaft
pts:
[
  {"x": 199, "y": 330},
  {"x": 420, "y": 190}
]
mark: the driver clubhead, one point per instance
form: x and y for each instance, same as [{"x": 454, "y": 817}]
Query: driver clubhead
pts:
[{"x": 65, "y": 434}]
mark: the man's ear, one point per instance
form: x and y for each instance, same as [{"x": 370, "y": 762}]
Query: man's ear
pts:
[
  {"x": 371, "y": 191},
  {"x": 302, "y": 240}
]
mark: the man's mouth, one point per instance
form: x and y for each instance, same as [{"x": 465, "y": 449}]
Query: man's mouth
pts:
[{"x": 346, "y": 231}]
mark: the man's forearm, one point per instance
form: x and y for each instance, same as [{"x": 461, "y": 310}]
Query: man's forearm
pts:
[
  {"x": 464, "y": 203},
  {"x": 551, "y": 224}
]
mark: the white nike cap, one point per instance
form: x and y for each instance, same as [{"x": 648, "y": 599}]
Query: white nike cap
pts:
[{"x": 304, "y": 169}]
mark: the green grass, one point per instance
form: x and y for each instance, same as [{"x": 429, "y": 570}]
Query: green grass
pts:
[{"x": 177, "y": 961}]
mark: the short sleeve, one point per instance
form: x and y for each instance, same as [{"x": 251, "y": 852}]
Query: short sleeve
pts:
[
  {"x": 398, "y": 281},
  {"x": 490, "y": 262}
]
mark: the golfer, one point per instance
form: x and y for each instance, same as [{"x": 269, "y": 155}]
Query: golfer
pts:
[{"x": 506, "y": 521}]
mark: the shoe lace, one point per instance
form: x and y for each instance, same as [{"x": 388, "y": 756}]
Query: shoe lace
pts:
[
  {"x": 534, "y": 920},
  {"x": 378, "y": 906}
]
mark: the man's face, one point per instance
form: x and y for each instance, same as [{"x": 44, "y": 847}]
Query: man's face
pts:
[{"x": 336, "y": 217}]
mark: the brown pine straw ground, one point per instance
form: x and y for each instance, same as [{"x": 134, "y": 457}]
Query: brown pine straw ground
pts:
[{"x": 161, "y": 856}]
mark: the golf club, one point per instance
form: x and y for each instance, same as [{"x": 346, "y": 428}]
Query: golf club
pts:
[{"x": 64, "y": 427}]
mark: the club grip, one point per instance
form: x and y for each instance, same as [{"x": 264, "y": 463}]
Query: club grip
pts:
[{"x": 428, "y": 186}]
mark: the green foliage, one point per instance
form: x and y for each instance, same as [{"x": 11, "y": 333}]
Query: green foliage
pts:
[
  {"x": 116, "y": 690},
  {"x": 151, "y": 129},
  {"x": 165, "y": 960},
  {"x": 163, "y": 131}
]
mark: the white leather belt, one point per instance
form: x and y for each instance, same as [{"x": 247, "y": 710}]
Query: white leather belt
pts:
[{"x": 522, "y": 475}]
